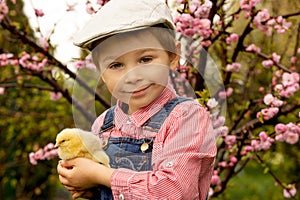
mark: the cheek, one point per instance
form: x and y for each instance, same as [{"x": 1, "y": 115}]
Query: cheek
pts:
[
  {"x": 155, "y": 70},
  {"x": 159, "y": 75}
]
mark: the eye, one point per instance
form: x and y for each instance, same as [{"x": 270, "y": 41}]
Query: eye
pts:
[
  {"x": 115, "y": 65},
  {"x": 63, "y": 141},
  {"x": 146, "y": 59}
]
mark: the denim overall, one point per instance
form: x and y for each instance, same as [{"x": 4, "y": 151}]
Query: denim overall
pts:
[{"x": 126, "y": 152}]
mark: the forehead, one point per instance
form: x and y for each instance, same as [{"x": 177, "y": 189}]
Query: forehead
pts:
[{"x": 120, "y": 44}]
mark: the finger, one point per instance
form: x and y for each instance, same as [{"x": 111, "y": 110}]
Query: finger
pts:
[
  {"x": 63, "y": 180},
  {"x": 66, "y": 164},
  {"x": 76, "y": 194},
  {"x": 70, "y": 188}
]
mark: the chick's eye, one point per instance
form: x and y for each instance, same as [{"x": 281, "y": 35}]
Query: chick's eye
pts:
[{"x": 146, "y": 59}]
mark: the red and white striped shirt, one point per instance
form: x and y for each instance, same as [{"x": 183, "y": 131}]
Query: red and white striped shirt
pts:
[{"x": 182, "y": 157}]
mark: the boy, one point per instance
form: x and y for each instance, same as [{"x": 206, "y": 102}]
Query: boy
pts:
[{"x": 161, "y": 146}]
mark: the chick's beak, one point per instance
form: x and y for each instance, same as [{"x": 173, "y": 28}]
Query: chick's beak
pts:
[{"x": 56, "y": 145}]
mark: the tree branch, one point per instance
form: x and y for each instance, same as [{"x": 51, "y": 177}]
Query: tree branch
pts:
[{"x": 6, "y": 23}]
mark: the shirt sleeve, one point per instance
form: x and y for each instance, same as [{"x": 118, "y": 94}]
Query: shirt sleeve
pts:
[{"x": 183, "y": 157}]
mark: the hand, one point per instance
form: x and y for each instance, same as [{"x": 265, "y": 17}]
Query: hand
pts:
[
  {"x": 87, "y": 194},
  {"x": 79, "y": 174}
]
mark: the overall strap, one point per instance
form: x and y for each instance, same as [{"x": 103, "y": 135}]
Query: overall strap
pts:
[
  {"x": 108, "y": 122},
  {"x": 154, "y": 123}
]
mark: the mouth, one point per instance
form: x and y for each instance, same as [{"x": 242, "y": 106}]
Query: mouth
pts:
[{"x": 140, "y": 90}]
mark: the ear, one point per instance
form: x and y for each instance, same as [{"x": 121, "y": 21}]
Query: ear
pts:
[
  {"x": 175, "y": 57},
  {"x": 103, "y": 78}
]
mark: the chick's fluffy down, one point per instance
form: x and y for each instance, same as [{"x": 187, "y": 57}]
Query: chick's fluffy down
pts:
[{"x": 74, "y": 142}]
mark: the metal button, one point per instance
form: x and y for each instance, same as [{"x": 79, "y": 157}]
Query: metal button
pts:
[
  {"x": 169, "y": 164},
  {"x": 128, "y": 122},
  {"x": 121, "y": 197}
]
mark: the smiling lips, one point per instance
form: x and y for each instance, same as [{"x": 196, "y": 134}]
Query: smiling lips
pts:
[{"x": 140, "y": 91}]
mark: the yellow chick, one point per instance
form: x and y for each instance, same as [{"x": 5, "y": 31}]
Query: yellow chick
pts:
[{"x": 74, "y": 142}]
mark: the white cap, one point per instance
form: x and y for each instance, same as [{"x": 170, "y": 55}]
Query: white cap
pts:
[{"x": 119, "y": 16}]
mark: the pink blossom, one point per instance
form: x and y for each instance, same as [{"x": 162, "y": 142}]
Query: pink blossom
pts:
[
  {"x": 190, "y": 26},
  {"x": 261, "y": 89},
  {"x": 244, "y": 4},
  {"x": 219, "y": 122},
  {"x": 289, "y": 191},
  {"x": 290, "y": 90},
  {"x": 268, "y": 63},
  {"x": 263, "y": 136},
  {"x": 229, "y": 91},
  {"x": 215, "y": 179},
  {"x": 55, "y": 96},
  {"x": 36, "y": 62},
  {"x": 247, "y": 5},
  {"x": 247, "y": 149},
  {"x": 230, "y": 139},
  {"x": 222, "y": 95},
  {"x": 39, "y": 12},
  {"x": 280, "y": 138},
  {"x": 3, "y": 10},
  {"x": 280, "y": 128},
  {"x": 282, "y": 25},
  {"x": 221, "y": 131},
  {"x": 43, "y": 42},
  {"x": 262, "y": 16},
  {"x": 293, "y": 127},
  {"x": 79, "y": 64},
  {"x": 290, "y": 78},
  {"x": 298, "y": 51},
  {"x": 205, "y": 43},
  {"x": 268, "y": 99},
  {"x": 48, "y": 152},
  {"x": 265, "y": 145},
  {"x": 253, "y": 48},
  {"x": 233, "y": 159},
  {"x": 87, "y": 62},
  {"x": 70, "y": 7},
  {"x": 232, "y": 38},
  {"x": 288, "y": 133},
  {"x": 277, "y": 102},
  {"x": 234, "y": 67},
  {"x": 32, "y": 159},
  {"x": 292, "y": 138},
  {"x": 204, "y": 9},
  {"x": 39, "y": 155},
  {"x": 265, "y": 141},
  {"x": 268, "y": 113},
  {"x": 293, "y": 59},
  {"x": 2, "y": 90},
  {"x": 89, "y": 8},
  {"x": 255, "y": 144},
  {"x": 212, "y": 103},
  {"x": 278, "y": 87},
  {"x": 271, "y": 22},
  {"x": 276, "y": 57},
  {"x": 223, "y": 164}
]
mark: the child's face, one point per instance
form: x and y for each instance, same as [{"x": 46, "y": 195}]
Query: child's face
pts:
[{"x": 135, "y": 68}]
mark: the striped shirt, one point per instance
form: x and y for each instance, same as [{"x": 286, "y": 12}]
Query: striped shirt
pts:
[{"x": 183, "y": 152}]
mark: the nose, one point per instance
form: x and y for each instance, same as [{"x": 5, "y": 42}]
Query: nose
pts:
[{"x": 133, "y": 75}]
